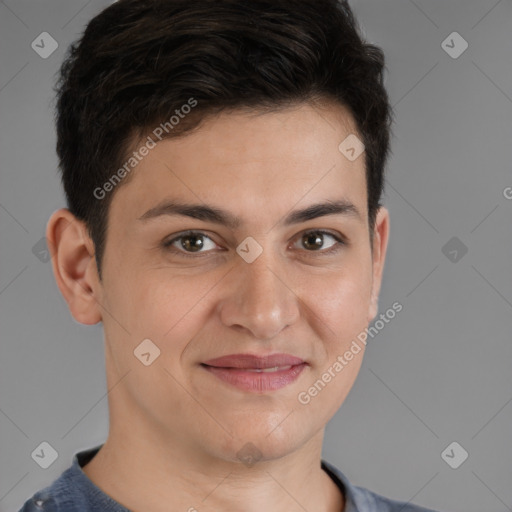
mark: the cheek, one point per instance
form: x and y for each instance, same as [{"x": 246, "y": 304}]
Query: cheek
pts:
[
  {"x": 342, "y": 298},
  {"x": 341, "y": 306},
  {"x": 167, "y": 311},
  {"x": 158, "y": 303}
]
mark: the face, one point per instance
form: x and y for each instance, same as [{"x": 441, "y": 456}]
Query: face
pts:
[{"x": 245, "y": 274}]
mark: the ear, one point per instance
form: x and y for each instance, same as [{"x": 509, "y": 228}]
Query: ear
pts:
[
  {"x": 74, "y": 265},
  {"x": 380, "y": 244}
]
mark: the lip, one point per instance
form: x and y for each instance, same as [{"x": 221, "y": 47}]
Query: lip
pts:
[
  {"x": 240, "y": 370},
  {"x": 244, "y": 361}
]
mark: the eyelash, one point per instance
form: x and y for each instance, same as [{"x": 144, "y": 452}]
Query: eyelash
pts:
[{"x": 340, "y": 242}]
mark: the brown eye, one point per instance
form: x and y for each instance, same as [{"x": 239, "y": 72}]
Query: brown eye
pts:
[
  {"x": 190, "y": 243},
  {"x": 315, "y": 241}
]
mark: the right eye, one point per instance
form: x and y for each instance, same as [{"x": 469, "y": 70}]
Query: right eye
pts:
[{"x": 188, "y": 244}]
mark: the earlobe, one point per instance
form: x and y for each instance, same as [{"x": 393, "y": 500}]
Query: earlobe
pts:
[
  {"x": 380, "y": 243},
  {"x": 74, "y": 266},
  {"x": 374, "y": 307}
]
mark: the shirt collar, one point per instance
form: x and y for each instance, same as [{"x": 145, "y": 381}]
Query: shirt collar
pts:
[{"x": 83, "y": 457}]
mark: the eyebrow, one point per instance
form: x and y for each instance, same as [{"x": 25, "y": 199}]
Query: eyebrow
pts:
[{"x": 216, "y": 215}]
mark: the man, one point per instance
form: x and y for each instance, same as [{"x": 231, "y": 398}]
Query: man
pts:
[{"x": 223, "y": 165}]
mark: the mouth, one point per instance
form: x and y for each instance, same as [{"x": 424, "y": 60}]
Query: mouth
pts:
[
  {"x": 255, "y": 362},
  {"x": 267, "y": 370},
  {"x": 256, "y": 374}
]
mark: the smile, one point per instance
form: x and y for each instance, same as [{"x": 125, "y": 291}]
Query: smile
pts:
[{"x": 257, "y": 380}]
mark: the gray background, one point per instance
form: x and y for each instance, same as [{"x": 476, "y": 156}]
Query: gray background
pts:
[{"x": 439, "y": 372}]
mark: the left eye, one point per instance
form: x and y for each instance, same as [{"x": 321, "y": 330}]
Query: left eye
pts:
[{"x": 315, "y": 241}]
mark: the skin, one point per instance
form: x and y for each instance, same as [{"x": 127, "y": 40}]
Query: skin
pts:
[{"x": 175, "y": 429}]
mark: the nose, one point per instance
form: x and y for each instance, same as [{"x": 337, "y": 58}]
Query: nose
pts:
[{"x": 258, "y": 298}]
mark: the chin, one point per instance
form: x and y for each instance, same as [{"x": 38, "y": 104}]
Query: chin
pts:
[{"x": 251, "y": 444}]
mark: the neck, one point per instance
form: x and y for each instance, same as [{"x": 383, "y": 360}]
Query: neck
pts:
[{"x": 145, "y": 476}]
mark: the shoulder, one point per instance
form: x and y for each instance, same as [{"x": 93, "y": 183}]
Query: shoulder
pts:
[
  {"x": 360, "y": 499},
  {"x": 57, "y": 497},
  {"x": 377, "y": 503},
  {"x": 70, "y": 492}
]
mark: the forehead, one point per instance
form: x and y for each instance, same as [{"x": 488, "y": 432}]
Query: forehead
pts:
[
  {"x": 249, "y": 135},
  {"x": 248, "y": 159}
]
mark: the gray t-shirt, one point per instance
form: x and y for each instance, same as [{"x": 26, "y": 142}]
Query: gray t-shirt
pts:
[{"x": 73, "y": 491}]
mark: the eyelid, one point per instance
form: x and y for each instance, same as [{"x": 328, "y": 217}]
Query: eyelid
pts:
[
  {"x": 167, "y": 244},
  {"x": 341, "y": 241}
]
